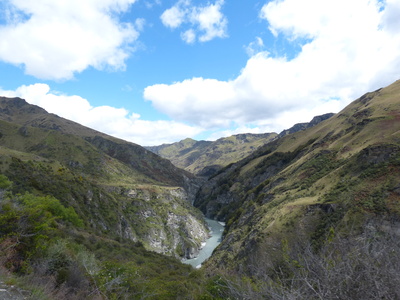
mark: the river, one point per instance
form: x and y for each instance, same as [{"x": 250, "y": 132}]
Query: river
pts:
[{"x": 217, "y": 228}]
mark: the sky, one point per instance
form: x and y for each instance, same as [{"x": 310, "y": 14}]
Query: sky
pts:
[{"x": 158, "y": 71}]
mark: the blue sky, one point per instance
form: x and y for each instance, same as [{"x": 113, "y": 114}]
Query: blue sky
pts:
[{"x": 156, "y": 71}]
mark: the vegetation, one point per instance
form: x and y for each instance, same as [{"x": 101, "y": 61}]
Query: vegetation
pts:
[
  {"x": 205, "y": 158},
  {"x": 41, "y": 241},
  {"x": 323, "y": 186},
  {"x": 363, "y": 268},
  {"x": 118, "y": 189},
  {"x": 311, "y": 215}
]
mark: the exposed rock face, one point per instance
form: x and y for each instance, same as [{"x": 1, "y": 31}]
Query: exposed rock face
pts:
[
  {"x": 118, "y": 188},
  {"x": 378, "y": 154},
  {"x": 125, "y": 230},
  {"x": 328, "y": 181},
  {"x": 164, "y": 221},
  {"x": 302, "y": 126},
  {"x": 191, "y": 252}
]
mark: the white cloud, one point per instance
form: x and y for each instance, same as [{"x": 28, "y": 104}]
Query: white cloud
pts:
[
  {"x": 349, "y": 48},
  {"x": 174, "y": 16},
  {"x": 207, "y": 22},
  {"x": 55, "y": 39},
  {"x": 113, "y": 121},
  {"x": 255, "y": 47},
  {"x": 203, "y": 102},
  {"x": 210, "y": 21},
  {"x": 242, "y": 129},
  {"x": 151, "y": 4},
  {"x": 390, "y": 18},
  {"x": 139, "y": 24},
  {"x": 189, "y": 36}
]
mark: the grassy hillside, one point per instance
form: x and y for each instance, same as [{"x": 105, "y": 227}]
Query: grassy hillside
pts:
[
  {"x": 310, "y": 215},
  {"x": 83, "y": 215},
  {"x": 204, "y": 158},
  {"x": 118, "y": 188},
  {"x": 47, "y": 251},
  {"x": 314, "y": 190},
  {"x": 60, "y": 138}
]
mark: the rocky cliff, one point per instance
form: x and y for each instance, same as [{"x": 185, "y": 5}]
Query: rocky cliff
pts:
[
  {"x": 327, "y": 181},
  {"x": 119, "y": 188}
]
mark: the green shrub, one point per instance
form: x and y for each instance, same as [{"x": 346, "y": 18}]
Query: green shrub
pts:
[
  {"x": 4, "y": 182},
  {"x": 53, "y": 206}
]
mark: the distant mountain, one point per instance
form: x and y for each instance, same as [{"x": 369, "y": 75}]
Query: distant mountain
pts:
[
  {"x": 118, "y": 188},
  {"x": 205, "y": 158},
  {"x": 337, "y": 181},
  {"x": 302, "y": 126},
  {"x": 312, "y": 213}
]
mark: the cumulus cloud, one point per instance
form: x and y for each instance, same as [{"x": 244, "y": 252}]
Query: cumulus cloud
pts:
[
  {"x": 55, "y": 39},
  {"x": 205, "y": 22},
  {"x": 348, "y": 48},
  {"x": 117, "y": 122}
]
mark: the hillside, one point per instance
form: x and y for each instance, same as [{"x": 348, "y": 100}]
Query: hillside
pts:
[
  {"x": 314, "y": 213},
  {"x": 331, "y": 184},
  {"x": 205, "y": 158},
  {"x": 302, "y": 126},
  {"x": 120, "y": 189},
  {"x": 154, "y": 168}
]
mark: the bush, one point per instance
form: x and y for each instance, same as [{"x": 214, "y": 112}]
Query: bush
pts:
[
  {"x": 52, "y": 205},
  {"x": 366, "y": 266}
]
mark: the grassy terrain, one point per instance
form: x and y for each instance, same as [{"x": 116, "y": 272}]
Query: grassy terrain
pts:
[
  {"x": 46, "y": 250},
  {"x": 88, "y": 216},
  {"x": 312, "y": 215},
  {"x": 118, "y": 188},
  {"x": 205, "y": 157},
  {"x": 326, "y": 182}
]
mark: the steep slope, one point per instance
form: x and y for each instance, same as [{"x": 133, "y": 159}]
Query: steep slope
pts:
[
  {"x": 302, "y": 126},
  {"x": 204, "y": 158},
  {"x": 18, "y": 111},
  {"x": 327, "y": 182},
  {"x": 120, "y": 189}
]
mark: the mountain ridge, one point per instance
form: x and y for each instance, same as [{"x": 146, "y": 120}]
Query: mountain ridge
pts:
[
  {"x": 313, "y": 214},
  {"x": 307, "y": 185},
  {"x": 108, "y": 173},
  {"x": 206, "y": 158}
]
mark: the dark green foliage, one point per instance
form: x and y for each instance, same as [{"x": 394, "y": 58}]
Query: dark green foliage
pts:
[
  {"x": 218, "y": 288},
  {"x": 4, "y": 182},
  {"x": 33, "y": 243},
  {"x": 324, "y": 228},
  {"x": 52, "y": 205},
  {"x": 319, "y": 166},
  {"x": 26, "y": 222}
]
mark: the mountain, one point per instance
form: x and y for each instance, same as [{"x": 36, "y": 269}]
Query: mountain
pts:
[
  {"x": 302, "y": 126},
  {"x": 336, "y": 183},
  {"x": 118, "y": 188},
  {"x": 311, "y": 214},
  {"x": 205, "y": 158}
]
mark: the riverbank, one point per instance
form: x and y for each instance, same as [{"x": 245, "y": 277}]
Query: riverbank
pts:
[{"x": 216, "y": 230}]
